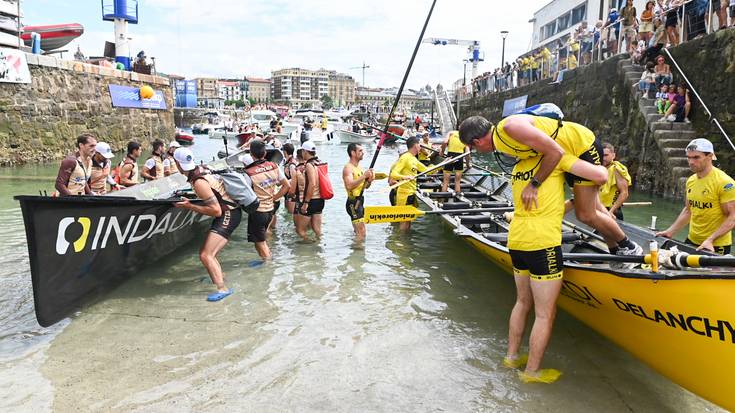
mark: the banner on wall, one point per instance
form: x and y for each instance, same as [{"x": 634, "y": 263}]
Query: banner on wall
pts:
[
  {"x": 13, "y": 66},
  {"x": 129, "y": 97},
  {"x": 511, "y": 106}
]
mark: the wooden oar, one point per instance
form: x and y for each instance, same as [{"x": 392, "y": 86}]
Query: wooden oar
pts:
[
  {"x": 400, "y": 91},
  {"x": 400, "y": 137},
  {"x": 386, "y": 214},
  {"x": 430, "y": 170}
]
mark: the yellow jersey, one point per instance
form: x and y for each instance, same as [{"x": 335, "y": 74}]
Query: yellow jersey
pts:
[
  {"x": 455, "y": 145},
  {"x": 609, "y": 191},
  {"x": 537, "y": 228},
  {"x": 407, "y": 166},
  {"x": 573, "y": 138},
  {"x": 356, "y": 173},
  {"x": 705, "y": 197}
]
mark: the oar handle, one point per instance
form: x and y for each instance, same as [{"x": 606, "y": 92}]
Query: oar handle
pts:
[
  {"x": 643, "y": 203},
  {"x": 430, "y": 170}
]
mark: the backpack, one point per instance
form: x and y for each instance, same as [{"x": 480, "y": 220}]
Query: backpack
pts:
[
  {"x": 116, "y": 171},
  {"x": 239, "y": 187},
  {"x": 547, "y": 110},
  {"x": 325, "y": 185}
]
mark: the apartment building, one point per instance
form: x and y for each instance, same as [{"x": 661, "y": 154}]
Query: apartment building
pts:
[
  {"x": 341, "y": 88},
  {"x": 259, "y": 89},
  {"x": 299, "y": 87}
]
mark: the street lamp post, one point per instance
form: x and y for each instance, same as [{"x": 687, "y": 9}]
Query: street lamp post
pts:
[{"x": 503, "y": 34}]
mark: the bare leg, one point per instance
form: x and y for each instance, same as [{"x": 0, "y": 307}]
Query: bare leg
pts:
[
  {"x": 457, "y": 181},
  {"x": 316, "y": 224},
  {"x": 445, "y": 181},
  {"x": 405, "y": 226},
  {"x": 208, "y": 255},
  {"x": 263, "y": 250},
  {"x": 585, "y": 207},
  {"x": 302, "y": 223},
  {"x": 519, "y": 315},
  {"x": 545, "y": 294},
  {"x": 360, "y": 230}
]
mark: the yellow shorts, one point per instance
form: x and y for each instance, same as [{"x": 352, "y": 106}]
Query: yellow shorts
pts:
[{"x": 403, "y": 198}]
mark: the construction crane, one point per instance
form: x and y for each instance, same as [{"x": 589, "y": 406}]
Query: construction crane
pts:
[
  {"x": 363, "y": 67},
  {"x": 473, "y": 48}
]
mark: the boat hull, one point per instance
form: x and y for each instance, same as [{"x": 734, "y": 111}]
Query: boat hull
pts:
[
  {"x": 184, "y": 139},
  {"x": 680, "y": 323},
  {"x": 352, "y": 137},
  {"x": 53, "y": 36},
  {"x": 80, "y": 246}
]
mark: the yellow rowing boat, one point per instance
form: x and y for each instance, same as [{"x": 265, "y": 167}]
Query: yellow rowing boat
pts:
[{"x": 679, "y": 322}]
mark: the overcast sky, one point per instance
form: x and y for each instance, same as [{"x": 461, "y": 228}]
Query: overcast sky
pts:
[{"x": 233, "y": 38}]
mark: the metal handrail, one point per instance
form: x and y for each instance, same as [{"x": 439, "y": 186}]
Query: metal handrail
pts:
[{"x": 699, "y": 98}]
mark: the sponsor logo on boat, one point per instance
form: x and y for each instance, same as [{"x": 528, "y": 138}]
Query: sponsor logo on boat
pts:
[
  {"x": 580, "y": 294},
  {"x": 118, "y": 231},
  {"x": 723, "y": 330},
  {"x": 396, "y": 216}
]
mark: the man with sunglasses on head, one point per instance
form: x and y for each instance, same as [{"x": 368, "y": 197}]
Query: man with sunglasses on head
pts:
[{"x": 709, "y": 207}]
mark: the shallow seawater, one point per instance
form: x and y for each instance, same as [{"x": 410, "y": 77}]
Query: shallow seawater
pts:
[{"x": 398, "y": 323}]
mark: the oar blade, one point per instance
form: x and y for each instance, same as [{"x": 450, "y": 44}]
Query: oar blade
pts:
[{"x": 387, "y": 214}]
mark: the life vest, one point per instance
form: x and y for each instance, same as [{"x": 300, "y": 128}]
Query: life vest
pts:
[
  {"x": 157, "y": 172},
  {"x": 264, "y": 175},
  {"x": 98, "y": 177},
  {"x": 133, "y": 176},
  {"x": 79, "y": 177}
]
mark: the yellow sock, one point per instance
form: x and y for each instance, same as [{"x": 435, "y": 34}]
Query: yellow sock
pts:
[
  {"x": 542, "y": 376},
  {"x": 516, "y": 362}
]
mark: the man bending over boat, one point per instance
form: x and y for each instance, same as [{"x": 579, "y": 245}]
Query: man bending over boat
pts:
[
  {"x": 215, "y": 203},
  {"x": 534, "y": 243},
  {"x": 552, "y": 145},
  {"x": 709, "y": 207},
  {"x": 407, "y": 167}
]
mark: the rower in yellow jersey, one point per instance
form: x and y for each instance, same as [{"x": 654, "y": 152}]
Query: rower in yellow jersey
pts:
[
  {"x": 355, "y": 179},
  {"x": 454, "y": 148},
  {"x": 424, "y": 151},
  {"x": 554, "y": 144},
  {"x": 614, "y": 192},
  {"x": 709, "y": 208},
  {"x": 407, "y": 167}
]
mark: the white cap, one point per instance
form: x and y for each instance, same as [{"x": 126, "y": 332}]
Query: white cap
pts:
[
  {"x": 699, "y": 144},
  {"x": 103, "y": 148},
  {"x": 308, "y": 146},
  {"x": 174, "y": 144},
  {"x": 185, "y": 159},
  {"x": 246, "y": 159}
]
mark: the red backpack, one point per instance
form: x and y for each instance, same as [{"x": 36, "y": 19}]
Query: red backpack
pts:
[{"x": 325, "y": 185}]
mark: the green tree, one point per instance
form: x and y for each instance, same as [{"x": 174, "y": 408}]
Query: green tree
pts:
[
  {"x": 327, "y": 102},
  {"x": 239, "y": 103},
  {"x": 251, "y": 101}
]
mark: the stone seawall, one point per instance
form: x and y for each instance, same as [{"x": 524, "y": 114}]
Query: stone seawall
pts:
[
  {"x": 185, "y": 117},
  {"x": 600, "y": 97},
  {"x": 41, "y": 120}
]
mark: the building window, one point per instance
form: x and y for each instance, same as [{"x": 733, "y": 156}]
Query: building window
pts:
[{"x": 579, "y": 13}]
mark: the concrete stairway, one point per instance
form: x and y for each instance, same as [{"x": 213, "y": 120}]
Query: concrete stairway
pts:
[{"x": 671, "y": 137}]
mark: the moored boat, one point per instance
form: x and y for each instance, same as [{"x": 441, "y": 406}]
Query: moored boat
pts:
[
  {"x": 346, "y": 136},
  {"x": 81, "y": 246},
  {"x": 183, "y": 138},
  {"x": 679, "y": 322},
  {"x": 53, "y": 36}
]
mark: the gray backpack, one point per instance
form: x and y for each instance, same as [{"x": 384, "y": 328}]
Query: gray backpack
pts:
[{"x": 240, "y": 188}]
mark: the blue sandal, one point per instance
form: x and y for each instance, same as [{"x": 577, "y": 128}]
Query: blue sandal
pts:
[{"x": 216, "y": 296}]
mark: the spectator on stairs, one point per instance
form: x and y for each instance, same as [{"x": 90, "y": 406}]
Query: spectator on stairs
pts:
[
  {"x": 672, "y": 21},
  {"x": 638, "y": 53},
  {"x": 663, "y": 72},
  {"x": 647, "y": 84},
  {"x": 645, "y": 31},
  {"x": 679, "y": 110},
  {"x": 630, "y": 25},
  {"x": 662, "y": 99}
]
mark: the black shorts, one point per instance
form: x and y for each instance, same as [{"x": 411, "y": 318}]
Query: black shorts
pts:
[
  {"x": 258, "y": 225},
  {"x": 672, "y": 20},
  {"x": 457, "y": 165},
  {"x": 541, "y": 265},
  {"x": 226, "y": 223},
  {"x": 355, "y": 208},
  {"x": 316, "y": 206},
  {"x": 723, "y": 250},
  {"x": 392, "y": 196},
  {"x": 592, "y": 155}
]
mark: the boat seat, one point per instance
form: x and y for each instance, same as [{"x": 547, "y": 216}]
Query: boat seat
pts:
[
  {"x": 502, "y": 238},
  {"x": 483, "y": 204},
  {"x": 500, "y": 189},
  {"x": 477, "y": 219},
  {"x": 437, "y": 185}
]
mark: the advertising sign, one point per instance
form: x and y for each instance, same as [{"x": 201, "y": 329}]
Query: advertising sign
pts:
[
  {"x": 511, "y": 106},
  {"x": 129, "y": 97},
  {"x": 13, "y": 66}
]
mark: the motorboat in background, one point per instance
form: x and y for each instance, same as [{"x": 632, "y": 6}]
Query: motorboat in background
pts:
[
  {"x": 183, "y": 138},
  {"x": 263, "y": 118},
  {"x": 53, "y": 36},
  {"x": 214, "y": 121},
  {"x": 346, "y": 136}
]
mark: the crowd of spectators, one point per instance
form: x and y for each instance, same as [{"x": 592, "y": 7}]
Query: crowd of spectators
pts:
[{"x": 642, "y": 34}]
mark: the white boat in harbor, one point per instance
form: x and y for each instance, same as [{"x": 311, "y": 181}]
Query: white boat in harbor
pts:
[
  {"x": 346, "y": 136},
  {"x": 222, "y": 133}
]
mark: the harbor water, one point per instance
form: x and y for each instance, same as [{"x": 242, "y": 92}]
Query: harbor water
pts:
[{"x": 399, "y": 323}]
